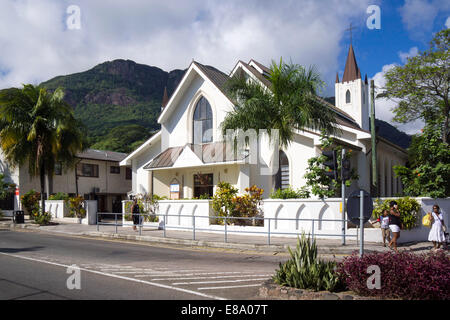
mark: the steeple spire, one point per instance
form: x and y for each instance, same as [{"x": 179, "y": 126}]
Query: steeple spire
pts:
[
  {"x": 351, "y": 71},
  {"x": 337, "y": 77}
]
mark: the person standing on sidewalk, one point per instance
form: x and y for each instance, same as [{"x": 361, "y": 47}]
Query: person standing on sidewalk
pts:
[
  {"x": 135, "y": 213},
  {"x": 394, "y": 224},
  {"x": 436, "y": 234},
  {"x": 385, "y": 231}
]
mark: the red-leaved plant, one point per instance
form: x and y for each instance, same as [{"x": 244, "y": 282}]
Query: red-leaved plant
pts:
[{"x": 403, "y": 275}]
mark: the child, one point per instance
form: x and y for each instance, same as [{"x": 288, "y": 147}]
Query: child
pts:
[{"x": 385, "y": 232}]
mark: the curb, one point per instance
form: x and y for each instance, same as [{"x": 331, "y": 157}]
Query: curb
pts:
[
  {"x": 185, "y": 242},
  {"x": 272, "y": 291}
]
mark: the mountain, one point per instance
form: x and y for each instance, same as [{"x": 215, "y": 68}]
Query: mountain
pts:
[
  {"x": 386, "y": 130},
  {"x": 117, "y": 97}
]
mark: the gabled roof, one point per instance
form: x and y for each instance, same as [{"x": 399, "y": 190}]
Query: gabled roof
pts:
[
  {"x": 142, "y": 147},
  {"x": 209, "y": 153},
  {"x": 103, "y": 155}
]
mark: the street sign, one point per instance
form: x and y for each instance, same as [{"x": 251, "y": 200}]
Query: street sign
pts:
[{"x": 353, "y": 206}]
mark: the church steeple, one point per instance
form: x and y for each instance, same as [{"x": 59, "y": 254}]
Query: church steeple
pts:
[{"x": 351, "y": 71}]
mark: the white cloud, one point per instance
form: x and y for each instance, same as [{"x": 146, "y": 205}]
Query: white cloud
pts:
[
  {"x": 36, "y": 44},
  {"x": 447, "y": 23},
  {"x": 418, "y": 16},
  {"x": 414, "y": 51}
]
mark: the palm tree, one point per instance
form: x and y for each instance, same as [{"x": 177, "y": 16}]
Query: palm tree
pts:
[
  {"x": 38, "y": 127},
  {"x": 289, "y": 104}
]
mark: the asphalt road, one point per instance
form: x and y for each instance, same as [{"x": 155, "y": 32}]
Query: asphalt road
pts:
[{"x": 35, "y": 266}]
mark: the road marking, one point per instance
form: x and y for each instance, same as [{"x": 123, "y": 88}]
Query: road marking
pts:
[
  {"x": 207, "y": 273},
  {"x": 225, "y": 281},
  {"x": 119, "y": 277},
  {"x": 230, "y": 287},
  {"x": 193, "y": 278}
]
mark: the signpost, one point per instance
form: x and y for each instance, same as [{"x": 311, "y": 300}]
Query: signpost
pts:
[{"x": 359, "y": 209}]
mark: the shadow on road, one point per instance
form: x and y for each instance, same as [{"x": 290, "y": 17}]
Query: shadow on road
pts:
[{"x": 16, "y": 250}]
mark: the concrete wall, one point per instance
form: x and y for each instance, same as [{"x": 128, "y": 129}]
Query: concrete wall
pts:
[{"x": 325, "y": 213}]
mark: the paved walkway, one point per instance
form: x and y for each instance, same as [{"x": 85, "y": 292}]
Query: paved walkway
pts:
[{"x": 207, "y": 239}]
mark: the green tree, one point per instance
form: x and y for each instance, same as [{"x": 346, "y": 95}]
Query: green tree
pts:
[
  {"x": 289, "y": 105},
  {"x": 5, "y": 187},
  {"x": 320, "y": 184},
  {"x": 38, "y": 128},
  {"x": 124, "y": 138},
  {"x": 427, "y": 173},
  {"x": 422, "y": 85}
]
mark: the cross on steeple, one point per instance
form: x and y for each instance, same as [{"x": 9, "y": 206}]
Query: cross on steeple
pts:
[{"x": 350, "y": 30}]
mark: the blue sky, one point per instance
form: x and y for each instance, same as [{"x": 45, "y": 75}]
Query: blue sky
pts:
[{"x": 36, "y": 43}]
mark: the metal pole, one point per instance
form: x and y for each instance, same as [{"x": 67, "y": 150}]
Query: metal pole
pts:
[
  {"x": 96, "y": 217},
  {"x": 193, "y": 227},
  {"x": 373, "y": 135},
  {"x": 343, "y": 197},
  {"x": 164, "y": 226},
  {"x": 361, "y": 223},
  {"x": 226, "y": 229},
  {"x": 115, "y": 219},
  {"x": 268, "y": 232}
]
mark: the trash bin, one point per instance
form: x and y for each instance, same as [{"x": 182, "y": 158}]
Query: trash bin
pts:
[{"x": 19, "y": 216}]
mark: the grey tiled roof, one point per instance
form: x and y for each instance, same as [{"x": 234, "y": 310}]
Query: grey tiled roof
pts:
[
  {"x": 102, "y": 155},
  {"x": 208, "y": 153}
]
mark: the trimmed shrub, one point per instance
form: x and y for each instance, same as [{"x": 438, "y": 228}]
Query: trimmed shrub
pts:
[
  {"x": 30, "y": 202},
  {"x": 76, "y": 208},
  {"x": 42, "y": 218},
  {"x": 290, "y": 193},
  {"x": 304, "y": 271},
  {"x": 409, "y": 209},
  {"x": 59, "y": 196},
  {"x": 403, "y": 275}
]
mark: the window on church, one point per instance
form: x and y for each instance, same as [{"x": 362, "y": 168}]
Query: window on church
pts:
[
  {"x": 282, "y": 176},
  {"x": 347, "y": 97},
  {"x": 202, "y": 122}
]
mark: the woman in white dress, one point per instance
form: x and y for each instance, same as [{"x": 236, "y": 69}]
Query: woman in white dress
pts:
[{"x": 437, "y": 233}]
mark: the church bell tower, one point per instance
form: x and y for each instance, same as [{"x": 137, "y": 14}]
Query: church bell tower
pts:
[{"x": 352, "y": 93}]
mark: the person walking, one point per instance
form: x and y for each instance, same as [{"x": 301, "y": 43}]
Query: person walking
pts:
[
  {"x": 135, "y": 212},
  {"x": 394, "y": 224},
  {"x": 436, "y": 234}
]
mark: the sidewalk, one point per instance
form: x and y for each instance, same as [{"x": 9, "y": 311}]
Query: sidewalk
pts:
[{"x": 206, "y": 239}]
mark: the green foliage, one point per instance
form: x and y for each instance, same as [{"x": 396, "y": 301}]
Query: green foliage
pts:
[
  {"x": 222, "y": 202},
  {"x": 5, "y": 187},
  {"x": 290, "y": 193},
  {"x": 30, "y": 201},
  {"x": 421, "y": 85},
  {"x": 38, "y": 128},
  {"x": 148, "y": 206},
  {"x": 227, "y": 203},
  {"x": 76, "y": 208},
  {"x": 290, "y": 104},
  {"x": 305, "y": 271},
  {"x": 42, "y": 218},
  {"x": 123, "y": 138},
  {"x": 321, "y": 185},
  {"x": 408, "y": 208},
  {"x": 428, "y": 171},
  {"x": 59, "y": 196}
]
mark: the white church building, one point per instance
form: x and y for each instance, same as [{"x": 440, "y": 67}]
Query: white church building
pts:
[{"x": 188, "y": 157}]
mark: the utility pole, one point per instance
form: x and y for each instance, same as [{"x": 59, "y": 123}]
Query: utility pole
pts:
[
  {"x": 374, "y": 142},
  {"x": 343, "y": 196}
]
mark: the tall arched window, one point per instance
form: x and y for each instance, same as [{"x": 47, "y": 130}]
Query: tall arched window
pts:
[
  {"x": 282, "y": 176},
  {"x": 347, "y": 97},
  {"x": 202, "y": 122}
]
